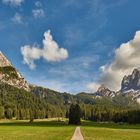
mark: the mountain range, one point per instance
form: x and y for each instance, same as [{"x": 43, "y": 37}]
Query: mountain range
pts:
[
  {"x": 21, "y": 100},
  {"x": 130, "y": 85}
]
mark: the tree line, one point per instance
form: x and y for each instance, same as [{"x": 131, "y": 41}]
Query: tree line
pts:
[
  {"x": 43, "y": 103},
  {"x": 20, "y": 104}
]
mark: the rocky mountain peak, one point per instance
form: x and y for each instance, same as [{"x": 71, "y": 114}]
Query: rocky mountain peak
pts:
[
  {"x": 136, "y": 74},
  {"x": 3, "y": 61},
  {"x": 9, "y": 75},
  {"x": 131, "y": 81},
  {"x": 102, "y": 88},
  {"x": 103, "y": 91}
]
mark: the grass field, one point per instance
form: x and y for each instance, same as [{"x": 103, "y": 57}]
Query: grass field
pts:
[
  {"x": 110, "y": 131},
  {"x": 41, "y": 130},
  {"x": 54, "y": 130}
]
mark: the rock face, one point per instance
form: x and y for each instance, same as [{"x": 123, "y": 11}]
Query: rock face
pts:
[
  {"x": 3, "y": 61},
  {"x": 9, "y": 75},
  {"x": 104, "y": 92},
  {"x": 131, "y": 82},
  {"x": 131, "y": 85}
]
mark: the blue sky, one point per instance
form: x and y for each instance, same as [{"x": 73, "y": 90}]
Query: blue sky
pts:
[{"x": 89, "y": 31}]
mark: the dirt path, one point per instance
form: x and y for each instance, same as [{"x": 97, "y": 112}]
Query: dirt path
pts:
[{"x": 77, "y": 134}]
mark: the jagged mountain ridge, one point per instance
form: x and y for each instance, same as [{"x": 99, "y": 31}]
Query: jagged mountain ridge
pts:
[
  {"x": 104, "y": 92},
  {"x": 9, "y": 75},
  {"x": 131, "y": 81},
  {"x": 130, "y": 84},
  {"x": 42, "y": 102}
]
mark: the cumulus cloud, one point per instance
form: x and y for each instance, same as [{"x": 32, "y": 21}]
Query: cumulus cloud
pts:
[
  {"x": 93, "y": 87},
  {"x": 30, "y": 53},
  {"x": 127, "y": 57},
  {"x": 50, "y": 51},
  {"x": 17, "y": 18},
  {"x": 37, "y": 13},
  {"x": 14, "y": 3}
]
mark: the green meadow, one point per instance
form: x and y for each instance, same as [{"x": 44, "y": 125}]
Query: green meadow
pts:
[
  {"x": 54, "y": 130},
  {"x": 38, "y": 130},
  {"x": 110, "y": 131}
]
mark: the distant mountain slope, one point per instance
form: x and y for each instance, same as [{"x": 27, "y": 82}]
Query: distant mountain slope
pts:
[{"x": 51, "y": 96}]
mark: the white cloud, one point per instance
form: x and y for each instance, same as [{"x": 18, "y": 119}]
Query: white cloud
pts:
[
  {"x": 93, "y": 87},
  {"x": 38, "y": 4},
  {"x": 14, "y": 3},
  {"x": 127, "y": 57},
  {"x": 17, "y": 18},
  {"x": 50, "y": 51},
  {"x": 30, "y": 53},
  {"x": 37, "y": 13}
]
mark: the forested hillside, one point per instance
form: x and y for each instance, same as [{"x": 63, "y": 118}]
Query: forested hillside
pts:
[
  {"x": 44, "y": 103},
  {"x": 20, "y": 100},
  {"x": 20, "y": 104},
  {"x": 120, "y": 108}
]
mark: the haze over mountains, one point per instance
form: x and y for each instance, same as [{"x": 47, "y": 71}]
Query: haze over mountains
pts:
[{"x": 130, "y": 84}]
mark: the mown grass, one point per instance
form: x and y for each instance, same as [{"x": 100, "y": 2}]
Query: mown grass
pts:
[
  {"x": 110, "y": 131},
  {"x": 39, "y": 130},
  {"x": 54, "y": 130}
]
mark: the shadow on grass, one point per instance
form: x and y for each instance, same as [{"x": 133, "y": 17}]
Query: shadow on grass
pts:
[
  {"x": 55, "y": 123},
  {"x": 110, "y": 125},
  {"x": 36, "y": 123}
]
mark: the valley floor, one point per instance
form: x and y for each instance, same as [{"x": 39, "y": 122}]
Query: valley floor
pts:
[
  {"x": 54, "y": 130},
  {"x": 110, "y": 131},
  {"x": 38, "y": 130}
]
